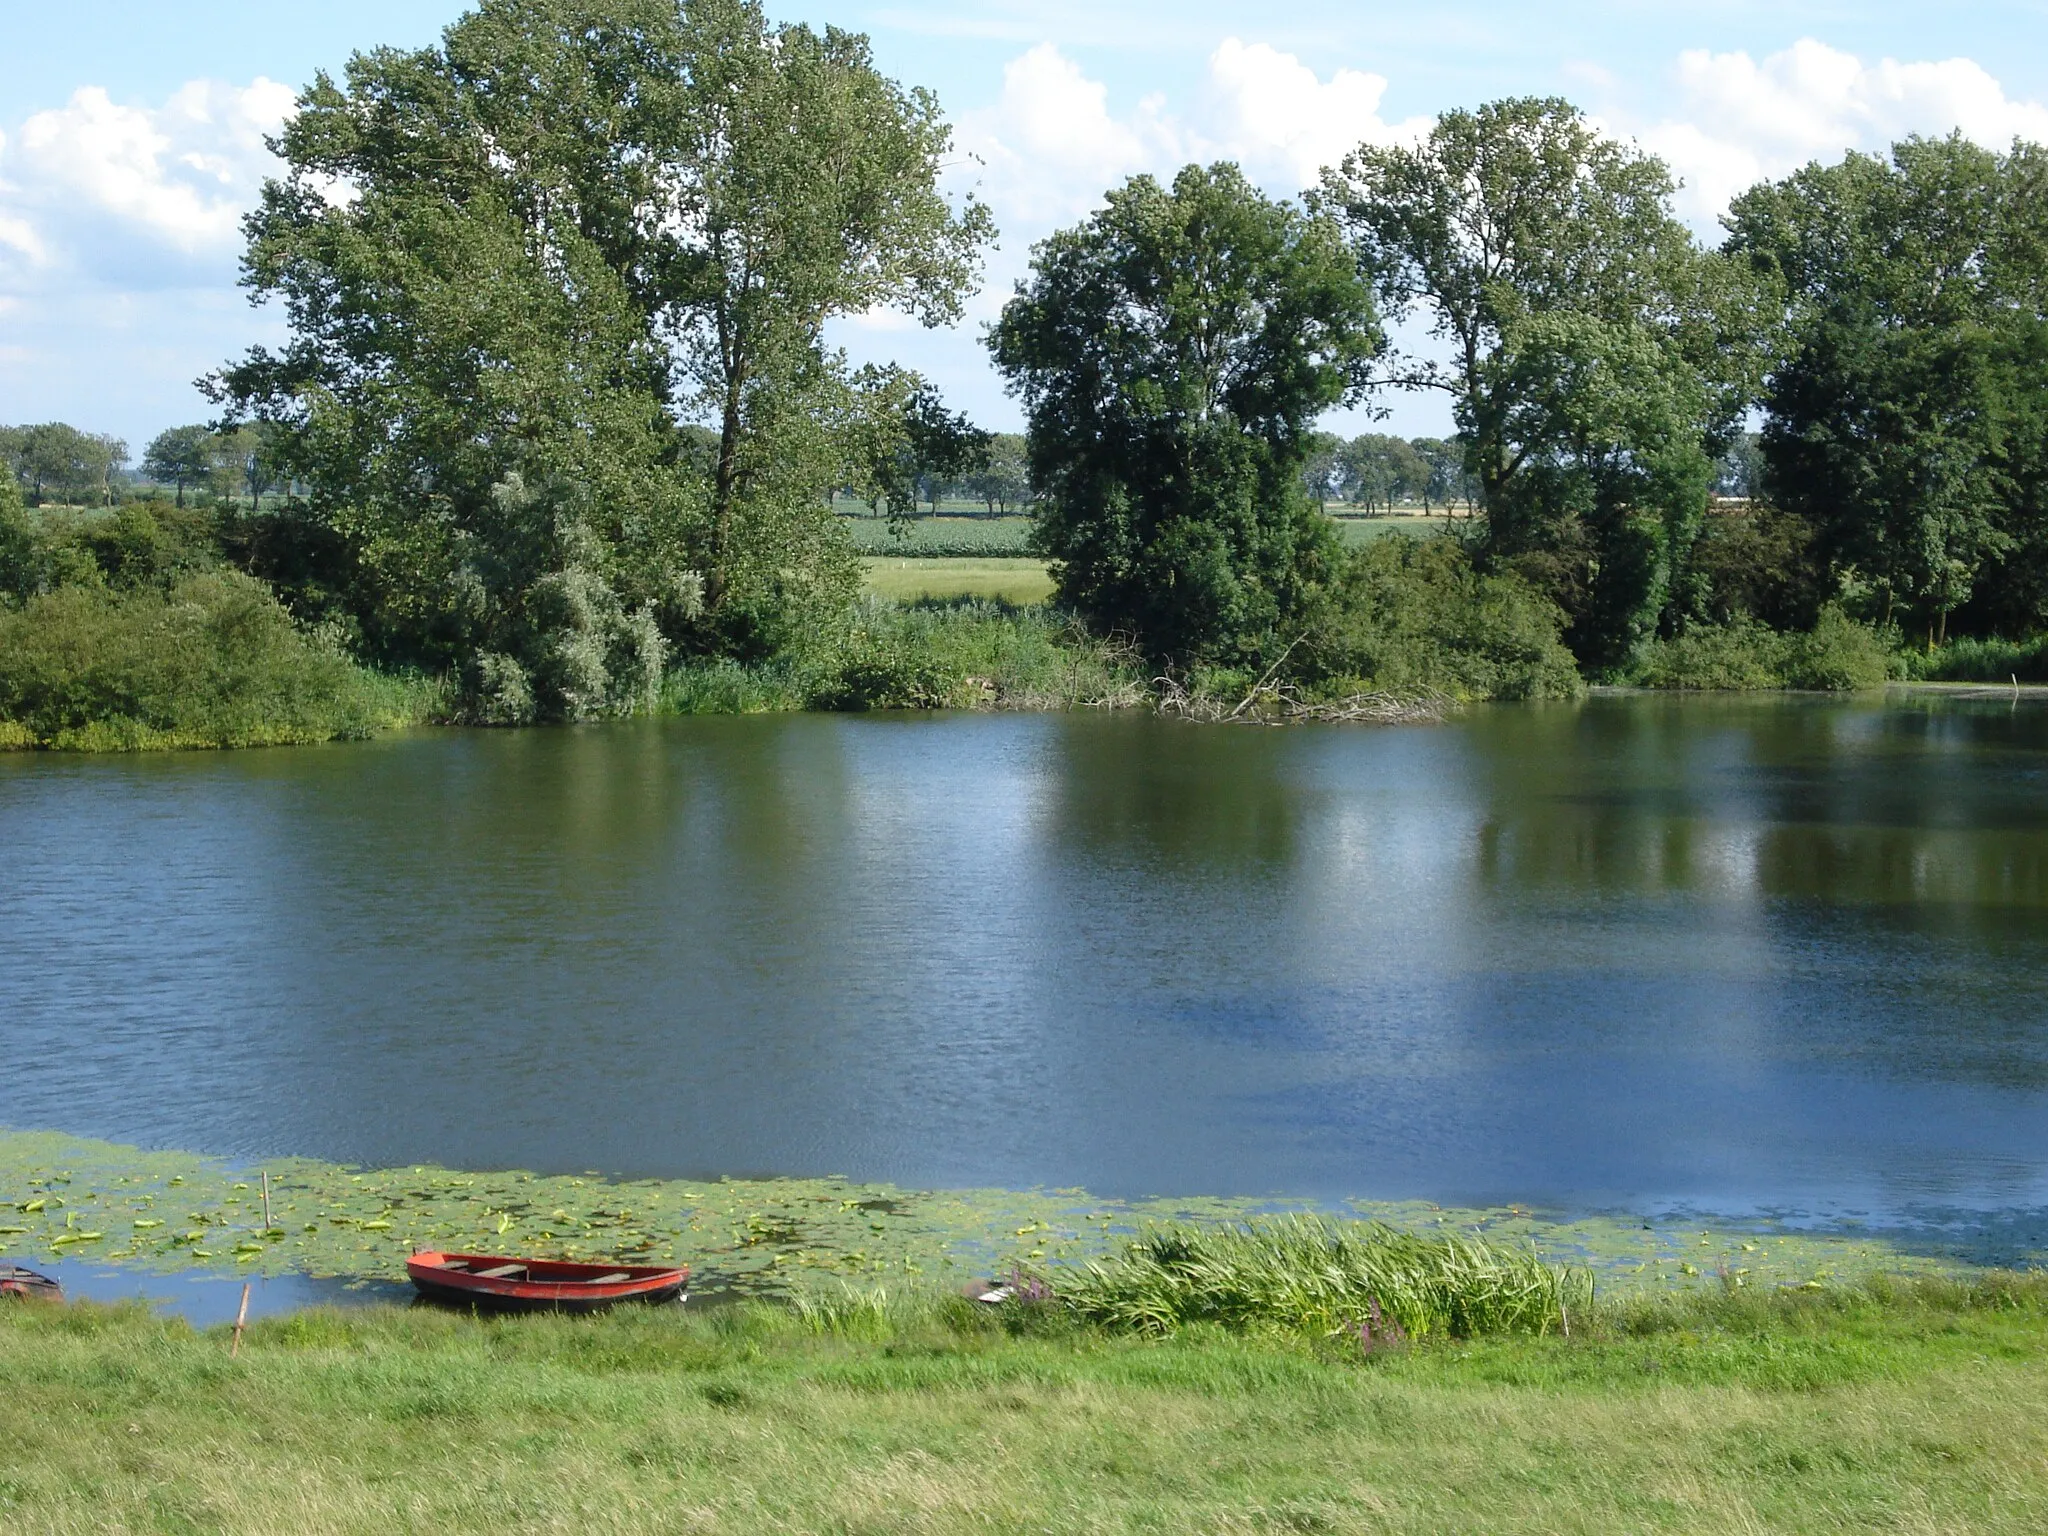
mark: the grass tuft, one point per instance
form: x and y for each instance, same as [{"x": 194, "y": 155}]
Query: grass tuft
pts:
[{"x": 1313, "y": 1276}]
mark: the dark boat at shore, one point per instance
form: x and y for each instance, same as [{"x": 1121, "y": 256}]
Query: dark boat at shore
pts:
[
  {"x": 540, "y": 1285},
  {"x": 17, "y": 1281}
]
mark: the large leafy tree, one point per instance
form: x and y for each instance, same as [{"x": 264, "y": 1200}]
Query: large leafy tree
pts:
[
  {"x": 1904, "y": 423},
  {"x": 180, "y": 456},
  {"x": 1596, "y": 359},
  {"x": 1173, "y": 354},
  {"x": 54, "y": 458},
  {"x": 520, "y": 267}
]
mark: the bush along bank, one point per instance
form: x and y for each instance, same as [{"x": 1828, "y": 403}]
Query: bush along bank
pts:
[
  {"x": 212, "y": 662},
  {"x": 132, "y": 629}
]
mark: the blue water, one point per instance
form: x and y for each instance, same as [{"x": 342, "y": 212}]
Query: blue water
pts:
[{"x": 1732, "y": 954}]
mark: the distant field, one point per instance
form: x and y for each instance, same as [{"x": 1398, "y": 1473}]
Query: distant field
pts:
[
  {"x": 907, "y": 578},
  {"x": 929, "y": 537},
  {"x": 968, "y": 538}
]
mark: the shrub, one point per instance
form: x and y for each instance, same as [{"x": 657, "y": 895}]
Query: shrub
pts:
[
  {"x": 215, "y": 662},
  {"x": 1323, "y": 1278},
  {"x": 1987, "y": 660},
  {"x": 970, "y": 654},
  {"x": 1836, "y": 655},
  {"x": 1414, "y": 614}
]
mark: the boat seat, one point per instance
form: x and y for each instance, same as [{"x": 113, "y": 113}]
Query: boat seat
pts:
[
  {"x": 502, "y": 1272},
  {"x": 609, "y": 1279}
]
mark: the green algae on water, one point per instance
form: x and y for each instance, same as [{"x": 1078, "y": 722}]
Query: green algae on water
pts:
[{"x": 94, "y": 1201}]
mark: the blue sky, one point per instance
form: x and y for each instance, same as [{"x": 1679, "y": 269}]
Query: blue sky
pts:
[{"x": 130, "y": 134}]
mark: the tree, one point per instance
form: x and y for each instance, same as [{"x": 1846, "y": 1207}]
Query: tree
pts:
[
  {"x": 56, "y": 458},
  {"x": 18, "y": 544},
  {"x": 1380, "y": 470},
  {"x": 1322, "y": 468},
  {"x": 944, "y": 447},
  {"x": 1004, "y": 480},
  {"x": 1446, "y": 480},
  {"x": 1173, "y": 353},
  {"x": 1740, "y": 474},
  {"x": 180, "y": 456},
  {"x": 1904, "y": 422},
  {"x": 516, "y": 266},
  {"x": 1547, "y": 259}
]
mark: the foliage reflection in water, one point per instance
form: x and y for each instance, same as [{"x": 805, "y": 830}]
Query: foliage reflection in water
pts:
[{"x": 1744, "y": 955}]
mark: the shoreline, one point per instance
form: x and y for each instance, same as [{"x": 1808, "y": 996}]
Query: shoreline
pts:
[{"x": 165, "y": 1214}]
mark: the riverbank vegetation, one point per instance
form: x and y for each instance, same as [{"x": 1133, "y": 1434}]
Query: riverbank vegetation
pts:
[
  {"x": 1896, "y": 1406},
  {"x": 557, "y": 425}
]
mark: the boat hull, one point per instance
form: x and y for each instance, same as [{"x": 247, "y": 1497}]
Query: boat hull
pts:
[
  {"x": 26, "y": 1284},
  {"x": 540, "y": 1285}
]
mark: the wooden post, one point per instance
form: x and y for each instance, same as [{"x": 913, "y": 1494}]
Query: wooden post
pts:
[
  {"x": 241, "y": 1317},
  {"x": 266, "y": 1200}
]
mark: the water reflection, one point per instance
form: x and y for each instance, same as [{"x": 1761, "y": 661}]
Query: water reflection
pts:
[{"x": 1741, "y": 952}]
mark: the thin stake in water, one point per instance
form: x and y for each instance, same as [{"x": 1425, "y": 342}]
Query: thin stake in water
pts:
[
  {"x": 266, "y": 1199},
  {"x": 241, "y": 1317}
]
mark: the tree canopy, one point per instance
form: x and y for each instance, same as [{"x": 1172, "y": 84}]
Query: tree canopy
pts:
[
  {"x": 54, "y": 458},
  {"x": 1905, "y": 422},
  {"x": 1173, "y": 353},
  {"x": 1599, "y": 360},
  {"x": 520, "y": 265}
]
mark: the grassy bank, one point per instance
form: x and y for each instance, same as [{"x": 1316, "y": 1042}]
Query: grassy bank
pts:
[{"x": 1921, "y": 1408}]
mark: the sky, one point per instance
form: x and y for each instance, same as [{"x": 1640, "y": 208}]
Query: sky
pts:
[{"x": 132, "y": 136}]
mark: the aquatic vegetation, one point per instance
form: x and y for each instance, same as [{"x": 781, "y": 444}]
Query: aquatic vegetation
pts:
[
  {"x": 99, "y": 1202},
  {"x": 971, "y": 654}
]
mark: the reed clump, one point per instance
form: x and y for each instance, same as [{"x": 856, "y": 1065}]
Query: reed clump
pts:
[{"x": 1310, "y": 1275}]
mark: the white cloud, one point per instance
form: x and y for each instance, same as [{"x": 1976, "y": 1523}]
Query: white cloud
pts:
[
  {"x": 88, "y": 183},
  {"x": 1050, "y": 145},
  {"x": 1740, "y": 121},
  {"x": 1269, "y": 110}
]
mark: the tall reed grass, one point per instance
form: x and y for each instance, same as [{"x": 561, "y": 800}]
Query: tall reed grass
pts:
[{"x": 1310, "y": 1275}]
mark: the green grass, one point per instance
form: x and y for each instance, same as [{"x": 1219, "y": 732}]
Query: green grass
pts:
[
  {"x": 981, "y": 537},
  {"x": 908, "y": 579},
  {"x": 1905, "y": 1408},
  {"x": 1355, "y": 529}
]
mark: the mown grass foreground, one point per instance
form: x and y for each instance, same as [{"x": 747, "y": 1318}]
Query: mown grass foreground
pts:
[{"x": 1919, "y": 1407}]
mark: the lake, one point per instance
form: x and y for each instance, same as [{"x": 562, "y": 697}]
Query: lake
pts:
[{"x": 1745, "y": 954}]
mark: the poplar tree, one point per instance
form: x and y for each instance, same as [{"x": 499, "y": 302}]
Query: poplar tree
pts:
[{"x": 519, "y": 268}]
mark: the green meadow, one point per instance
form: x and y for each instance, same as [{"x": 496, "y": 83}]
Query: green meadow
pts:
[{"x": 1911, "y": 1407}]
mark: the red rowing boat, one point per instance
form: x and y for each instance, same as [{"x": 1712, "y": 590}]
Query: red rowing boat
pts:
[
  {"x": 540, "y": 1285},
  {"x": 18, "y": 1281}
]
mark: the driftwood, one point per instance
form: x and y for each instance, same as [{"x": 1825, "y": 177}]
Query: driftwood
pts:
[{"x": 1277, "y": 703}]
